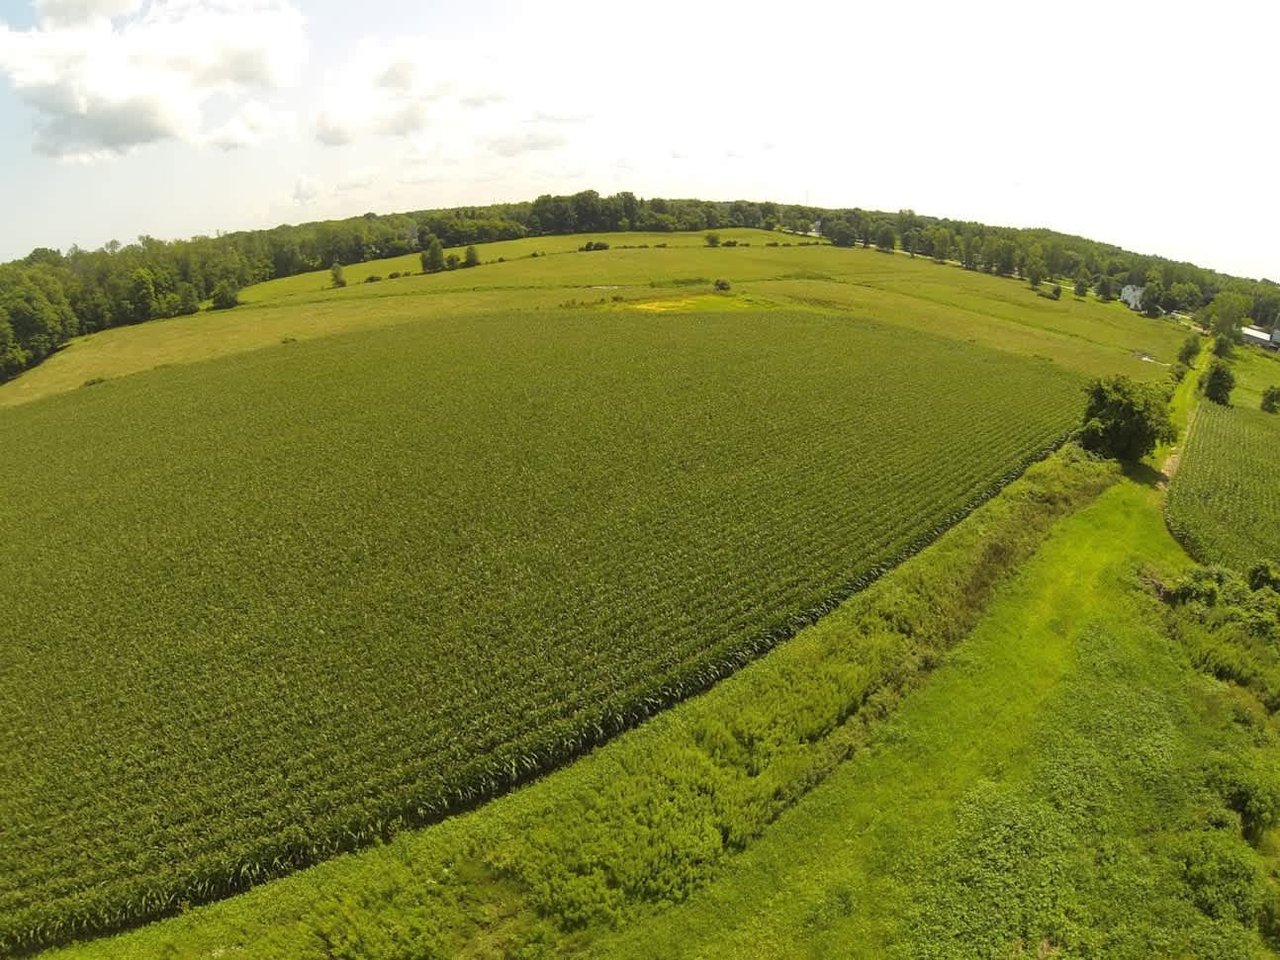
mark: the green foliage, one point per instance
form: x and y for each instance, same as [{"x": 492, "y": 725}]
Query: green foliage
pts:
[
  {"x": 225, "y": 296},
  {"x": 1226, "y": 313},
  {"x": 723, "y": 285},
  {"x": 1222, "y": 502},
  {"x": 1106, "y": 289},
  {"x": 433, "y": 256},
  {"x": 337, "y": 276},
  {"x": 1082, "y": 283},
  {"x": 452, "y": 261},
  {"x": 1271, "y": 399},
  {"x": 712, "y": 239},
  {"x": 1224, "y": 347},
  {"x": 1055, "y": 292},
  {"x": 884, "y": 238},
  {"x": 1217, "y": 382},
  {"x": 1178, "y": 372},
  {"x": 1034, "y": 269},
  {"x": 1125, "y": 420},
  {"x": 374, "y": 588},
  {"x": 471, "y": 258},
  {"x": 1190, "y": 349}
]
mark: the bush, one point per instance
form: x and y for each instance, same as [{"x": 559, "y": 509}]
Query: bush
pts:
[
  {"x": 723, "y": 285},
  {"x": 472, "y": 258},
  {"x": 372, "y": 278},
  {"x": 1124, "y": 420},
  {"x": 339, "y": 278},
  {"x": 593, "y": 245},
  {"x": 225, "y": 295},
  {"x": 1217, "y": 383},
  {"x": 1223, "y": 346},
  {"x": 713, "y": 239},
  {"x": 393, "y": 275},
  {"x": 1178, "y": 372},
  {"x": 1056, "y": 291},
  {"x": 1271, "y": 399},
  {"x": 451, "y": 262},
  {"x": 1190, "y": 349}
]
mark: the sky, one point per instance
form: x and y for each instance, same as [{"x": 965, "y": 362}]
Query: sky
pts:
[{"x": 1149, "y": 125}]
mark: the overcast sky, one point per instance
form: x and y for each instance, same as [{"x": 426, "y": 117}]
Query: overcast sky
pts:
[{"x": 1150, "y": 125}]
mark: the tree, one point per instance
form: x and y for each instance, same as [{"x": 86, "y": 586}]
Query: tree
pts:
[
  {"x": 712, "y": 239},
  {"x": 1271, "y": 399},
  {"x": 1152, "y": 298},
  {"x": 1034, "y": 268},
  {"x": 472, "y": 258},
  {"x": 1190, "y": 349},
  {"x": 1082, "y": 283},
  {"x": 141, "y": 305},
  {"x": 336, "y": 274},
  {"x": 884, "y": 237},
  {"x": 1056, "y": 291},
  {"x": 1124, "y": 419},
  {"x": 433, "y": 257},
  {"x": 188, "y": 299},
  {"x": 225, "y": 295},
  {"x": 1184, "y": 296},
  {"x": 451, "y": 262},
  {"x": 1226, "y": 313},
  {"x": 1105, "y": 288},
  {"x": 1217, "y": 382}
]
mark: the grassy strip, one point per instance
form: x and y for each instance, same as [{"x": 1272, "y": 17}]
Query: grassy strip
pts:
[
  {"x": 653, "y": 816},
  {"x": 1050, "y": 792}
]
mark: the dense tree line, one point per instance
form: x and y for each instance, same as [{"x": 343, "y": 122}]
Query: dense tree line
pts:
[
  {"x": 1036, "y": 255},
  {"x": 50, "y": 296}
]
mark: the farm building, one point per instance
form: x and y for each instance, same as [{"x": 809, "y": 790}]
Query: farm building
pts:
[
  {"x": 1132, "y": 296},
  {"x": 1263, "y": 338}
]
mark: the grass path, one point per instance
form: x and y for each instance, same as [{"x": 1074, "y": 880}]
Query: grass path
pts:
[{"x": 861, "y": 867}]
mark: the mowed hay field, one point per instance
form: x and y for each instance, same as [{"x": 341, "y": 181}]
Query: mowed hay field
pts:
[
  {"x": 270, "y": 606},
  {"x": 1223, "y": 503}
]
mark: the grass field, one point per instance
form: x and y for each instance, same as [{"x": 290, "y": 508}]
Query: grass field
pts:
[
  {"x": 281, "y": 604},
  {"x": 1223, "y": 503},
  {"x": 921, "y": 297}
]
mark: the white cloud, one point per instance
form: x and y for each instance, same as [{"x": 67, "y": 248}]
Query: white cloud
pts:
[
  {"x": 251, "y": 124},
  {"x": 306, "y": 189},
  {"x": 358, "y": 180},
  {"x": 81, "y": 11},
  {"x": 382, "y": 89},
  {"x": 525, "y": 143},
  {"x": 102, "y": 85}
]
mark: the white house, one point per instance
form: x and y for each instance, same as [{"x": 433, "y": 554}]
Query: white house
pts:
[{"x": 1132, "y": 295}]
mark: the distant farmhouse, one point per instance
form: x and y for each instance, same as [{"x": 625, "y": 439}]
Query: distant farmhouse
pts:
[
  {"x": 1269, "y": 340},
  {"x": 1132, "y": 296}
]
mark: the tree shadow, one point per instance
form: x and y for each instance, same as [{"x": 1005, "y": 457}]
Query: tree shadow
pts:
[{"x": 1145, "y": 474}]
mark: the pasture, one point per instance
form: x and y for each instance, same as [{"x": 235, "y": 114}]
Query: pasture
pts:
[{"x": 304, "y": 573}]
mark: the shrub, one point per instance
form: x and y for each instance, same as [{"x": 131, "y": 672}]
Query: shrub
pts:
[
  {"x": 1178, "y": 372},
  {"x": 1223, "y": 346},
  {"x": 225, "y": 295},
  {"x": 1056, "y": 291},
  {"x": 393, "y": 275},
  {"x": 1217, "y": 383},
  {"x": 712, "y": 239},
  {"x": 723, "y": 285},
  {"x": 1124, "y": 419},
  {"x": 1271, "y": 399},
  {"x": 451, "y": 262},
  {"x": 372, "y": 278},
  {"x": 339, "y": 278},
  {"x": 472, "y": 258},
  {"x": 1190, "y": 349}
]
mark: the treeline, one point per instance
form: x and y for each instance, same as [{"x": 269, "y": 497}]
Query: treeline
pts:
[
  {"x": 1039, "y": 254},
  {"x": 49, "y": 296}
]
